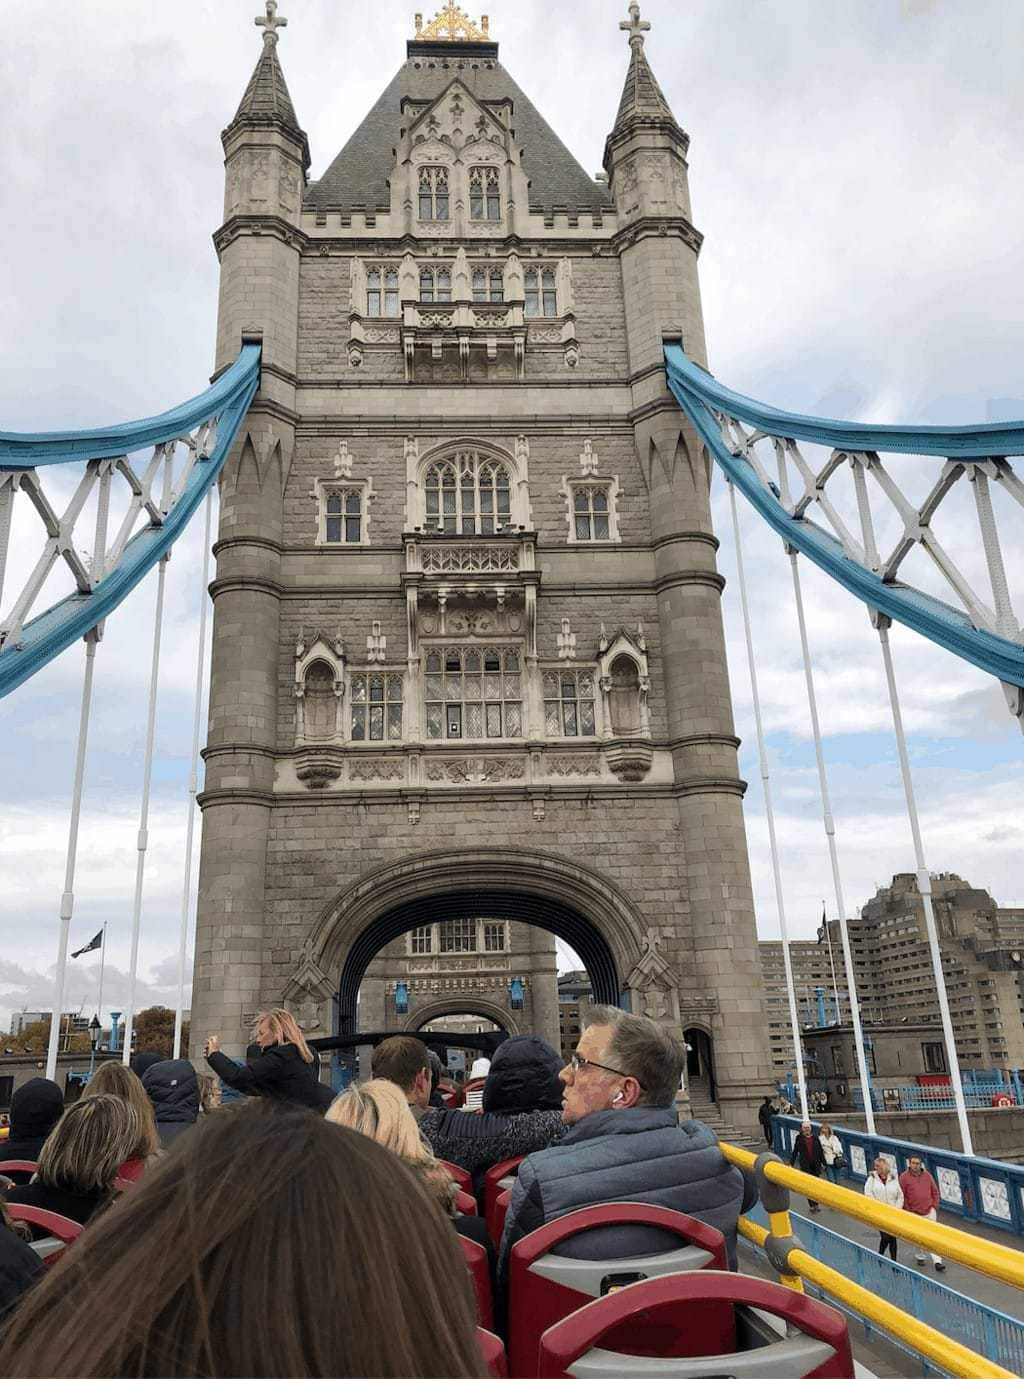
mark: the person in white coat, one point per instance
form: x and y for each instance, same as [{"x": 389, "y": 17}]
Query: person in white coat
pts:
[
  {"x": 884, "y": 1187},
  {"x": 832, "y": 1148}
]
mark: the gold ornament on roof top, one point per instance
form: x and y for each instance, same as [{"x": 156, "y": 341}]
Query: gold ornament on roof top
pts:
[{"x": 452, "y": 25}]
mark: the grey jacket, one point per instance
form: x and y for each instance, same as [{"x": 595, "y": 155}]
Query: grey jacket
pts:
[{"x": 641, "y": 1154}]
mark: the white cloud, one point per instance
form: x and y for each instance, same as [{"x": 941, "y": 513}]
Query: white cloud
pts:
[{"x": 852, "y": 171}]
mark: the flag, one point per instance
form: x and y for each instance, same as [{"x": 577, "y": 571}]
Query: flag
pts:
[{"x": 97, "y": 942}]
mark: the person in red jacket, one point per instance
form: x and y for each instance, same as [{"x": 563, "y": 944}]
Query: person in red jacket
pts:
[{"x": 921, "y": 1196}]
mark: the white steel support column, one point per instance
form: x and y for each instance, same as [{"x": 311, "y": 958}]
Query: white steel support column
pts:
[
  {"x": 794, "y": 1021},
  {"x": 833, "y": 852},
  {"x": 143, "y": 837},
  {"x": 67, "y": 900},
  {"x": 924, "y": 886},
  {"x": 193, "y": 780}
]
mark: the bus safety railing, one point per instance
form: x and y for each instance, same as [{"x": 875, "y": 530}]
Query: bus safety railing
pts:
[{"x": 795, "y": 1265}]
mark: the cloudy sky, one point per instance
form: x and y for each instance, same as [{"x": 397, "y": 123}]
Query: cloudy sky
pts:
[{"x": 854, "y": 168}]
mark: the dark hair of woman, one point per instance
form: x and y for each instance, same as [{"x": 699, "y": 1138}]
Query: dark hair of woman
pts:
[{"x": 271, "y": 1242}]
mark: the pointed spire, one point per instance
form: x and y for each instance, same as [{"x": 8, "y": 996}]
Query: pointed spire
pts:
[
  {"x": 641, "y": 96},
  {"x": 266, "y": 99}
]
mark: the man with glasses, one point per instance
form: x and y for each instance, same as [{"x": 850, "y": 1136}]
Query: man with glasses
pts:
[{"x": 625, "y": 1144}]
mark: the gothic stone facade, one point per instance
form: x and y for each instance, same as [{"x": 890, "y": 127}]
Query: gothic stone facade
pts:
[{"x": 467, "y": 613}]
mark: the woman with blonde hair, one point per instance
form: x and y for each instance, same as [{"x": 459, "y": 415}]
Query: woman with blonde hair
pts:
[
  {"x": 114, "y": 1079},
  {"x": 378, "y": 1109},
  {"x": 286, "y": 1069},
  {"x": 82, "y": 1157}
]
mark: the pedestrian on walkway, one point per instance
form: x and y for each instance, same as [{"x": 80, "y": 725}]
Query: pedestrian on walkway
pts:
[
  {"x": 808, "y": 1156},
  {"x": 832, "y": 1150},
  {"x": 765, "y": 1112},
  {"x": 921, "y": 1196},
  {"x": 883, "y": 1186}
]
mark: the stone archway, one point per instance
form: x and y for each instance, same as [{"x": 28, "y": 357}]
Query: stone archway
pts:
[
  {"x": 566, "y": 898},
  {"x": 462, "y": 1005}
]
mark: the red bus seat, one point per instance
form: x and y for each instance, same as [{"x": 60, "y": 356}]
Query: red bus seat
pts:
[
  {"x": 499, "y": 1178},
  {"x": 20, "y": 1171},
  {"x": 496, "y": 1221},
  {"x": 493, "y": 1352},
  {"x": 462, "y": 1178},
  {"x": 465, "y": 1203},
  {"x": 60, "y": 1228},
  {"x": 599, "y": 1339},
  {"x": 480, "y": 1271},
  {"x": 544, "y": 1286}
]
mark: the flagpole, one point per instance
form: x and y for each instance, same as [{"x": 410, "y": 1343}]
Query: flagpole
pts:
[{"x": 103, "y": 958}]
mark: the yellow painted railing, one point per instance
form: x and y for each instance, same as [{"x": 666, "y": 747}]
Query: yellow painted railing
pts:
[{"x": 795, "y": 1264}]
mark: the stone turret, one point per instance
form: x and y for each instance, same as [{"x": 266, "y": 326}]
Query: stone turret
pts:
[
  {"x": 266, "y": 160},
  {"x": 645, "y": 159}
]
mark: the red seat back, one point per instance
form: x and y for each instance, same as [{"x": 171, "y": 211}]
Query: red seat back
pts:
[
  {"x": 18, "y": 1170},
  {"x": 476, "y": 1261},
  {"x": 545, "y": 1286},
  {"x": 496, "y": 1221},
  {"x": 498, "y": 1179},
  {"x": 687, "y": 1312},
  {"x": 462, "y": 1178},
  {"x": 62, "y": 1228},
  {"x": 493, "y": 1352},
  {"x": 465, "y": 1203}
]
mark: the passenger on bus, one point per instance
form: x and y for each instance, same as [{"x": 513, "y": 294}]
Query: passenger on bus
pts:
[
  {"x": 405, "y": 1061},
  {"x": 20, "y": 1266},
  {"x": 269, "y": 1242},
  {"x": 114, "y": 1079},
  {"x": 522, "y": 1110},
  {"x": 36, "y": 1107},
  {"x": 286, "y": 1069},
  {"x": 378, "y": 1109},
  {"x": 625, "y": 1143},
  {"x": 173, "y": 1088}
]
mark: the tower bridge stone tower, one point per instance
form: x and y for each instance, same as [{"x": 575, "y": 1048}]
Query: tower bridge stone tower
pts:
[{"x": 468, "y": 652}]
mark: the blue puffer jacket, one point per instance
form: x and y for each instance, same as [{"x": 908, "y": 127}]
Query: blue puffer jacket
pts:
[{"x": 640, "y": 1154}]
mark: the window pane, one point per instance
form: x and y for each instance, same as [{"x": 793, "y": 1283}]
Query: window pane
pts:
[
  {"x": 358, "y": 723},
  {"x": 453, "y": 686},
  {"x": 569, "y": 686},
  {"x": 550, "y": 308},
  {"x": 580, "y": 500},
  {"x": 352, "y": 530},
  {"x": 511, "y": 683},
  {"x": 376, "y": 724},
  {"x": 442, "y": 206},
  {"x": 582, "y": 528},
  {"x": 390, "y": 303},
  {"x": 494, "y": 720},
  {"x": 476, "y": 206},
  {"x": 473, "y": 686},
  {"x": 601, "y": 528},
  {"x": 550, "y": 684},
  {"x": 474, "y": 720},
  {"x": 394, "y": 688},
  {"x": 511, "y": 659},
  {"x": 376, "y": 689},
  {"x": 586, "y": 684},
  {"x": 587, "y": 727},
  {"x": 600, "y": 500},
  {"x": 373, "y": 278},
  {"x": 353, "y": 502},
  {"x": 394, "y": 721},
  {"x": 532, "y": 302},
  {"x": 492, "y": 687},
  {"x": 435, "y": 721},
  {"x": 552, "y": 721},
  {"x": 453, "y": 720},
  {"x": 435, "y": 685},
  {"x": 334, "y": 529},
  {"x": 433, "y": 660},
  {"x": 513, "y": 720},
  {"x": 391, "y": 279},
  {"x": 358, "y": 688},
  {"x": 569, "y": 719},
  {"x": 493, "y": 208},
  {"x": 425, "y": 208},
  {"x": 373, "y": 303}
]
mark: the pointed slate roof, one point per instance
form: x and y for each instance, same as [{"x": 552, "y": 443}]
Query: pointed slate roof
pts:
[
  {"x": 641, "y": 95},
  {"x": 266, "y": 99},
  {"x": 359, "y": 174}
]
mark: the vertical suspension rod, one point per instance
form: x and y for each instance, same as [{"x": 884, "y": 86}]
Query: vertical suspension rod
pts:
[
  {"x": 833, "y": 851},
  {"x": 798, "y": 1052},
  {"x": 186, "y": 899},
  {"x": 924, "y": 887}
]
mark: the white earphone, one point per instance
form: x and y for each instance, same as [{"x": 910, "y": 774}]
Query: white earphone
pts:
[{"x": 616, "y": 1097}]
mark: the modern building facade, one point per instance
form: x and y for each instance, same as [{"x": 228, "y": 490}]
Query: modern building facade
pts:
[
  {"x": 468, "y": 660},
  {"x": 982, "y": 949}
]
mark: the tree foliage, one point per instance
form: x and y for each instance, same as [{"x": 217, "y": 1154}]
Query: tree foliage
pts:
[
  {"x": 154, "y": 1031},
  {"x": 35, "y": 1038}
]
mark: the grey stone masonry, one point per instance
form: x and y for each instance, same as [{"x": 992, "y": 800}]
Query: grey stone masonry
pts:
[{"x": 468, "y": 647}]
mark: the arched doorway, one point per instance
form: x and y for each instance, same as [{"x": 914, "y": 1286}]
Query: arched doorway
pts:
[
  {"x": 565, "y": 898},
  {"x": 700, "y": 1063}
]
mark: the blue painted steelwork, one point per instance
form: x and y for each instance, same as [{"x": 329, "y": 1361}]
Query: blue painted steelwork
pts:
[
  {"x": 910, "y": 1097},
  {"x": 698, "y": 393},
  {"x": 994, "y": 1334},
  {"x": 45, "y": 636},
  {"x": 975, "y": 1188}
]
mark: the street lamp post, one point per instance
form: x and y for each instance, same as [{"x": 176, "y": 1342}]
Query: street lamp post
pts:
[{"x": 95, "y": 1031}]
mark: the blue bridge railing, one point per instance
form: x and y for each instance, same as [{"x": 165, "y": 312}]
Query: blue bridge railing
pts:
[{"x": 975, "y": 1188}]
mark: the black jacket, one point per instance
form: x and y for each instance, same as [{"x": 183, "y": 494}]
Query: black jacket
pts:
[
  {"x": 808, "y": 1161},
  {"x": 522, "y": 1110},
  {"x": 173, "y": 1089},
  {"x": 280, "y": 1073},
  {"x": 766, "y": 1113},
  {"x": 36, "y": 1108},
  {"x": 20, "y": 1266},
  {"x": 76, "y": 1206}
]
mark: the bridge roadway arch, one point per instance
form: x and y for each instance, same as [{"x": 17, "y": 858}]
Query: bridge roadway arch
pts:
[
  {"x": 462, "y": 1005},
  {"x": 566, "y": 898}
]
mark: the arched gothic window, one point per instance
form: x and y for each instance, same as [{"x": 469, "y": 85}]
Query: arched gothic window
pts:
[
  {"x": 435, "y": 285},
  {"x": 541, "y": 292},
  {"x": 319, "y": 702},
  {"x": 488, "y": 285},
  {"x": 468, "y": 495},
  {"x": 624, "y": 696},
  {"x": 382, "y": 291},
  {"x": 484, "y": 194},
  {"x": 433, "y": 183}
]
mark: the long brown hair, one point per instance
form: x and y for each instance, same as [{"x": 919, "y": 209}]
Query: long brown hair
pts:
[
  {"x": 285, "y": 1029},
  {"x": 379, "y": 1110},
  {"x": 114, "y": 1078},
  {"x": 89, "y": 1144},
  {"x": 270, "y": 1242}
]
